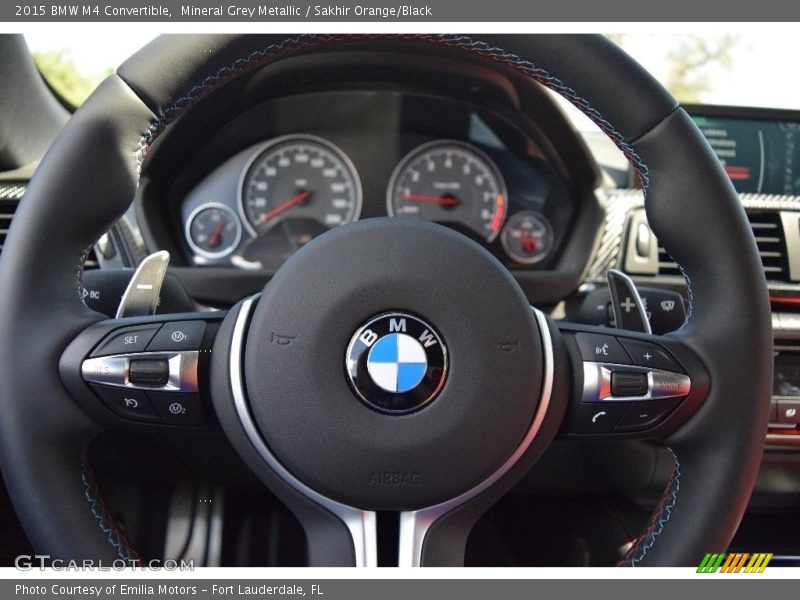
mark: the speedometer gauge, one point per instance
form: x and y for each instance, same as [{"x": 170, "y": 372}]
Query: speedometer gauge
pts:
[
  {"x": 300, "y": 179},
  {"x": 451, "y": 183}
]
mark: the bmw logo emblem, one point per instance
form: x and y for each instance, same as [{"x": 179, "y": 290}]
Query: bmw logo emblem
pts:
[{"x": 396, "y": 363}]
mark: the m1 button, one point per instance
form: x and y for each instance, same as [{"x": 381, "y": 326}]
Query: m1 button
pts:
[
  {"x": 178, "y": 335},
  {"x": 597, "y": 417}
]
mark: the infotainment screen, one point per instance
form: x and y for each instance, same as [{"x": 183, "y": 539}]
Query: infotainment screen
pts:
[{"x": 761, "y": 156}]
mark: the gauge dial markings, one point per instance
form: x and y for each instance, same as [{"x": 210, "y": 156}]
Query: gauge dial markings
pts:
[{"x": 450, "y": 182}]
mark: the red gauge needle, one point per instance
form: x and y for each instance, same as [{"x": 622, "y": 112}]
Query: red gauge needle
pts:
[
  {"x": 529, "y": 242},
  {"x": 215, "y": 236},
  {"x": 283, "y": 207},
  {"x": 430, "y": 199}
]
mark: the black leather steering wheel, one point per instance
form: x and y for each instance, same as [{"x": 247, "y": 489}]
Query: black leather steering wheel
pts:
[{"x": 287, "y": 406}]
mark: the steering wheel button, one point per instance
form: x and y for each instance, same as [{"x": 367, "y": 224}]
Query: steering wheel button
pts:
[
  {"x": 598, "y": 347},
  {"x": 628, "y": 384},
  {"x": 127, "y": 340},
  {"x": 643, "y": 415},
  {"x": 127, "y": 403},
  {"x": 178, "y": 335},
  {"x": 789, "y": 412},
  {"x": 597, "y": 418},
  {"x": 646, "y": 354},
  {"x": 148, "y": 371},
  {"x": 178, "y": 408}
]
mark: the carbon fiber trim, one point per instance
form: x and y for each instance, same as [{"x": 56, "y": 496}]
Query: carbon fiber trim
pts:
[
  {"x": 12, "y": 191},
  {"x": 623, "y": 201}
]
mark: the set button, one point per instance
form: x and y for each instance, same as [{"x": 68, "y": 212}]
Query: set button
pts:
[{"x": 127, "y": 340}]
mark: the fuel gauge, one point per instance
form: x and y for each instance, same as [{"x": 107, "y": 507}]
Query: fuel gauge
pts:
[{"x": 527, "y": 237}]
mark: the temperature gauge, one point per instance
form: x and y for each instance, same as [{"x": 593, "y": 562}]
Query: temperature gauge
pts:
[
  {"x": 527, "y": 237},
  {"x": 213, "y": 230}
]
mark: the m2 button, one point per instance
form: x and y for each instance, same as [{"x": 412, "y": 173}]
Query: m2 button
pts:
[
  {"x": 178, "y": 335},
  {"x": 127, "y": 340},
  {"x": 597, "y": 347},
  {"x": 178, "y": 409},
  {"x": 598, "y": 417}
]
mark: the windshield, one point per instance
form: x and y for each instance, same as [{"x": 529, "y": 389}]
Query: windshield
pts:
[{"x": 742, "y": 69}]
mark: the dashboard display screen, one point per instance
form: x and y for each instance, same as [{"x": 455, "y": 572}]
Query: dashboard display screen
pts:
[{"x": 760, "y": 156}]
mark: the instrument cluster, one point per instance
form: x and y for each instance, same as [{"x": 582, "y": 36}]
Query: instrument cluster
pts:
[{"x": 269, "y": 200}]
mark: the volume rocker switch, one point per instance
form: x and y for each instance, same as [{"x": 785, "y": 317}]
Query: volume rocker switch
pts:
[{"x": 628, "y": 384}]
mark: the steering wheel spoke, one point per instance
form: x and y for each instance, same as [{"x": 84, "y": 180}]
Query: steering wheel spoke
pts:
[
  {"x": 144, "y": 370},
  {"x": 373, "y": 376},
  {"x": 630, "y": 385}
]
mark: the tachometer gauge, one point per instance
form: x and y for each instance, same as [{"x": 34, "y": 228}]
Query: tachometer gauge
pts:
[
  {"x": 451, "y": 183},
  {"x": 299, "y": 178},
  {"x": 213, "y": 230},
  {"x": 527, "y": 237}
]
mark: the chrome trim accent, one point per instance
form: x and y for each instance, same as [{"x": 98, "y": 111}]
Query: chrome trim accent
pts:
[
  {"x": 637, "y": 263},
  {"x": 362, "y": 524},
  {"x": 187, "y": 230},
  {"x": 414, "y": 525},
  {"x": 790, "y": 221},
  {"x": 621, "y": 202},
  {"x": 113, "y": 370},
  {"x": 403, "y": 315},
  {"x": 106, "y": 370},
  {"x": 141, "y": 296},
  {"x": 660, "y": 384}
]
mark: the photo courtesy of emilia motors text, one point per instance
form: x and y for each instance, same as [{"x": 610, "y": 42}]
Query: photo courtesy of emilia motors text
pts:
[{"x": 414, "y": 298}]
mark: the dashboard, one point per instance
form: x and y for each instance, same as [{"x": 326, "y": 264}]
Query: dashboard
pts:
[{"x": 311, "y": 162}]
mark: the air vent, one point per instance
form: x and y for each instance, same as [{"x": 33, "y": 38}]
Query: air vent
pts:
[
  {"x": 771, "y": 243},
  {"x": 667, "y": 266},
  {"x": 9, "y": 199}
]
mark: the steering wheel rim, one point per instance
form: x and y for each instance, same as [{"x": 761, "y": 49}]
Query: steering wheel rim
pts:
[{"x": 89, "y": 177}]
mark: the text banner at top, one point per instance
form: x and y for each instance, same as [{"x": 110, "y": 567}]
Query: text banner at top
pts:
[{"x": 400, "y": 11}]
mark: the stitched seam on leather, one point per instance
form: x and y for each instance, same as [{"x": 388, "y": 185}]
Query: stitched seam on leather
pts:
[
  {"x": 275, "y": 51},
  {"x": 659, "y": 520},
  {"x": 81, "y": 267},
  {"x": 115, "y": 536},
  {"x": 295, "y": 44}
]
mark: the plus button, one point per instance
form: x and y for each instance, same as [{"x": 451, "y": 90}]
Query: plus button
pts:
[{"x": 628, "y": 305}]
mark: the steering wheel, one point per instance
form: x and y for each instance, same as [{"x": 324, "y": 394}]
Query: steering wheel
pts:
[{"x": 368, "y": 376}]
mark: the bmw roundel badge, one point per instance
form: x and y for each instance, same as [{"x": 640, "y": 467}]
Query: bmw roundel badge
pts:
[{"x": 396, "y": 363}]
